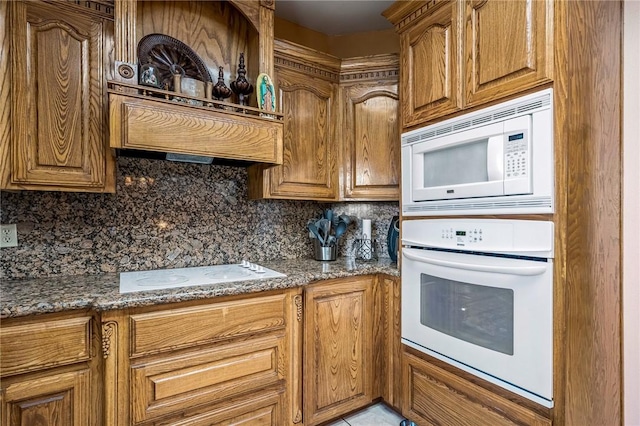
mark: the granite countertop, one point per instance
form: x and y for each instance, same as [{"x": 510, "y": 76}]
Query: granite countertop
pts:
[{"x": 102, "y": 292}]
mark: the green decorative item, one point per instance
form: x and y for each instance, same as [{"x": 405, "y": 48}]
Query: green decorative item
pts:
[{"x": 266, "y": 93}]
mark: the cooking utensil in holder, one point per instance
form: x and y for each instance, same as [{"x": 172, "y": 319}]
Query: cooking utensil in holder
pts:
[{"x": 364, "y": 249}]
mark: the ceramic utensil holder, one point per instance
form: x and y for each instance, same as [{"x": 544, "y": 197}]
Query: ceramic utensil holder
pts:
[{"x": 324, "y": 253}]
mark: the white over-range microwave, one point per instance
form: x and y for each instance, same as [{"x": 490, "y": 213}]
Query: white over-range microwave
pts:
[{"x": 498, "y": 160}]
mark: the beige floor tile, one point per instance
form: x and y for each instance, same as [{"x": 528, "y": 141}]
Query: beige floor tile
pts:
[
  {"x": 376, "y": 415},
  {"x": 338, "y": 423}
]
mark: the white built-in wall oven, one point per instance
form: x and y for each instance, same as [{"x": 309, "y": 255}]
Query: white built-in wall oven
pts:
[{"x": 477, "y": 293}]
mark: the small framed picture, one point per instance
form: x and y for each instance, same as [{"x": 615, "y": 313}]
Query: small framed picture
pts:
[
  {"x": 265, "y": 93},
  {"x": 150, "y": 76}
]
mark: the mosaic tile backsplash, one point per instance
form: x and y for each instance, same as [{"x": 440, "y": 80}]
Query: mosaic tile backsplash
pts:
[{"x": 165, "y": 215}]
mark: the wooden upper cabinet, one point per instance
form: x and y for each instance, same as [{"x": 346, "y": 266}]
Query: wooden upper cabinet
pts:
[
  {"x": 508, "y": 48},
  {"x": 58, "y": 99},
  {"x": 431, "y": 85},
  {"x": 341, "y": 133},
  {"x": 370, "y": 133},
  {"x": 309, "y": 149},
  {"x": 306, "y": 85},
  {"x": 460, "y": 54}
]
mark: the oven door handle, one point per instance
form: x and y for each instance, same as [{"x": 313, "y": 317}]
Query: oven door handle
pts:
[{"x": 527, "y": 270}]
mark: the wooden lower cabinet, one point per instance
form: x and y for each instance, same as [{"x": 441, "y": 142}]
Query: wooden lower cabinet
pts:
[
  {"x": 338, "y": 348},
  {"x": 50, "y": 375},
  {"x": 230, "y": 361},
  {"x": 54, "y": 399},
  {"x": 302, "y": 356},
  {"x": 433, "y": 395},
  {"x": 387, "y": 329}
]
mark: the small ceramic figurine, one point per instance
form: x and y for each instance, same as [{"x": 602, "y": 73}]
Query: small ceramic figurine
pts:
[{"x": 266, "y": 93}]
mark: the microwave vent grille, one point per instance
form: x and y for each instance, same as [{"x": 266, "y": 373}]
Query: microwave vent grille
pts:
[
  {"x": 504, "y": 113},
  {"x": 493, "y": 116},
  {"x": 538, "y": 103},
  {"x": 481, "y": 120},
  {"x": 462, "y": 125}
]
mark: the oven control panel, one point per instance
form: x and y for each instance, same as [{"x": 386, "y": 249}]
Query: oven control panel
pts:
[
  {"x": 463, "y": 236},
  {"x": 520, "y": 237}
]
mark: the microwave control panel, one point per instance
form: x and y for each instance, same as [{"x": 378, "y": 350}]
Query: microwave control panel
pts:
[{"x": 516, "y": 155}]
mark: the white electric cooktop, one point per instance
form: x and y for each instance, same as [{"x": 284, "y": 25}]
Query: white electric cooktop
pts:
[{"x": 200, "y": 275}]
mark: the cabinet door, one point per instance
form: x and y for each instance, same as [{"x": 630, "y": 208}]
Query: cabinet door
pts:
[
  {"x": 430, "y": 65},
  {"x": 508, "y": 47},
  {"x": 391, "y": 353},
  {"x": 58, "y": 121},
  {"x": 371, "y": 143},
  {"x": 53, "y": 400},
  {"x": 308, "y": 170},
  {"x": 338, "y": 347}
]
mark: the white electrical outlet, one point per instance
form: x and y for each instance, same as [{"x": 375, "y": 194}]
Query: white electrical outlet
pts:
[{"x": 8, "y": 236}]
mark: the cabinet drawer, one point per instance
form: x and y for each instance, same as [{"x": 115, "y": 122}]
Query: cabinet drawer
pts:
[
  {"x": 264, "y": 409},
  {"x": 436, "y": 396},
  {"x": 43, "y": 344},
  {"x": 183, "y": 327},
  {"x": 170, "y": 384}
]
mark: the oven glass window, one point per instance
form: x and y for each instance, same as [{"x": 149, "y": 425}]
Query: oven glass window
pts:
[
  {"x": 465, "y": 163},
  {"x": 474, "y": 313}
]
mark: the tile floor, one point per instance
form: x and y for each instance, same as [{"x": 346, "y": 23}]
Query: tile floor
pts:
[{"x": 376, "y": 415}]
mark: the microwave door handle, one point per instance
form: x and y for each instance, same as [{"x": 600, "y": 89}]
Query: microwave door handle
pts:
[
  {"x": 495, "y": 158},
  {"x": 510, "y": 270}
]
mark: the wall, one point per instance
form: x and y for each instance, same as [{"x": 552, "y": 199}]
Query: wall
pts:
[
  {"x": 631, "y": 214},
  {"x": 163, "y": 215},
  {"x": 364, "y": 44},
  {"x": 344, "y": 46},
  {"x": 286, "y": 30}
]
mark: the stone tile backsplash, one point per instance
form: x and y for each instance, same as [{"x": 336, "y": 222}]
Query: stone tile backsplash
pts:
[{"x": 164, "y": 215}]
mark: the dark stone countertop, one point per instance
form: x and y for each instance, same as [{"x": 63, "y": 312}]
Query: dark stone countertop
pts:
[{"x": 102, "y": 292}]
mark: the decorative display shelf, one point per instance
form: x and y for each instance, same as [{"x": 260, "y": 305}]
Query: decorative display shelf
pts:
[{"x": 146, "y": 118}]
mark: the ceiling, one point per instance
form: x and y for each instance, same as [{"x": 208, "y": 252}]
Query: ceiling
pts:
[{"x": 335, "y": 17}]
